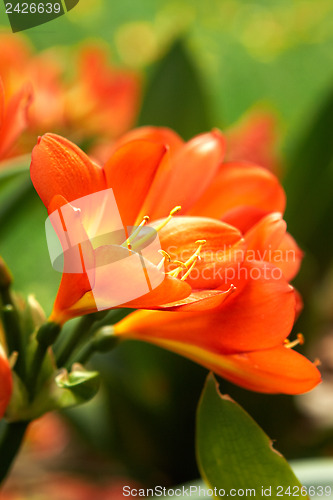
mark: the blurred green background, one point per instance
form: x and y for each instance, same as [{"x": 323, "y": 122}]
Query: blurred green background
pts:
[{"x": 233, "y": 55}]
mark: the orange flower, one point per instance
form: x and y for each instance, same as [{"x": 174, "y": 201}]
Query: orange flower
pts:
[
  {"x": 6, "y": 383},
  {"x": 102, "y": 100},
  {"x": 87, "y": 95},
  {"x": 228, "y": 284},
  {"x": 19, "y": 66},
  {"x": 13, "y": 118},
  {"x": 243, "y": 337},
  {"x": 61, "y": 173}
]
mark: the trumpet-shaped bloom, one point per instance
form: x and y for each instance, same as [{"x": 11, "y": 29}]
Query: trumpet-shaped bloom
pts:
[
  {"x": 225, "y": 300},
  {"x": 6, "y": 383}
]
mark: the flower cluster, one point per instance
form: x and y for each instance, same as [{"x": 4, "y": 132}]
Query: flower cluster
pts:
[
  {"x": 81, "y": 93},
  {"x": 213, "y": 212}
]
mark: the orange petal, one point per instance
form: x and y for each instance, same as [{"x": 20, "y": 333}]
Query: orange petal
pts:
[
  {"x": 79, "y": 260},
  {"x": 277, "y": 370},
  {"x": 244, "y": 217},
  {"x": 223, "y": 251},
  {"x": 115, "y": 285},
  {"x": 60, "y": 167},
  {"x": 6, "y": 384},
  {"x": 274, "y": 370},
  {"x": 268, "y": 240},
  {"x": 266, "y": 235},
  {"x": 171, "y": 289},
  {"x": 288, "y": 257},
  {"x": 130, "y": 172},
  {"x": 191, "y": 170},
  {"x": 200, "y": 300},
  {"x": 259, "y": 317},
  {"x": 240, "y": 185},
  {"x": 161, "y": 135}
]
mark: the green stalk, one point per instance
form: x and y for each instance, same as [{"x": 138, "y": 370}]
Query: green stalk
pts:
[
  {"x": 75, "y": 337},
  {"x": 46, "y": 336},
  {"x": 102, "y": 341}
]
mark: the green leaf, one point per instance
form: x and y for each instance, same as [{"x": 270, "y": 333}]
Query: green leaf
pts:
[
  {"x": 234, "y": 453},
  {"x": 174, "y": 96}
]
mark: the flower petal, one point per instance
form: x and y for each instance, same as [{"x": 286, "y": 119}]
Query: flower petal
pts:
[
  {"x": 240, "y": 185},
  {"x": 78, "y": 257},
  {"x": 171, "y": 289},
  {"x": 288, "y": 257},
  {"x": 161, "y": 135},
  {"x": 130, "y": 172},
  {"x": 121, "y": 281},
  {"x": 200, "y": 300},
  {"x": 59, "y": 167},
  {"x": 268, "y": 240},
  {"x": 266, "y": 234},
  {"x": 190, "y": 171},
  {"x": 274, "y": 370}
]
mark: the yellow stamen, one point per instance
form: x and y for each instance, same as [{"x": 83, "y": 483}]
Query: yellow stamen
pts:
[
  {"x": 189, "y": 264},
  {"x": 196, "y": 254},
  {"x": 183, "y": 278},
  {"x": 298, "y": 341},
  {"x": 174, "y": 273},
  {"x": 166, "y": 256},
  {"x": 135, "y": 233},
  {"x": 173, "y": 212}
]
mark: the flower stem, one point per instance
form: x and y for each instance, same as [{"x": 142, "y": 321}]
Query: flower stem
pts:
[
  {"x": 10, "y": 442},
  {"x": 46, "y": 336},
  {"x": 103, "y": 340}
]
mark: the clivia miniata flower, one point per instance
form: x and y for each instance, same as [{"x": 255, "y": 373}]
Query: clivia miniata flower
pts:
[
  {"x": 86, "y": 93},
  {"x": 224, "y": 300}
]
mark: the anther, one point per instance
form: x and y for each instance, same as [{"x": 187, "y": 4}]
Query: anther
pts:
[
  {"x": 298, "y": 341},
  {"x": 136, "y": 232},
  {"x": 196, "y": 254},
  {"x": 180, "y": 266},
  {"x": 173, "y": 212},
  {"x": 166, "y": 256}
]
